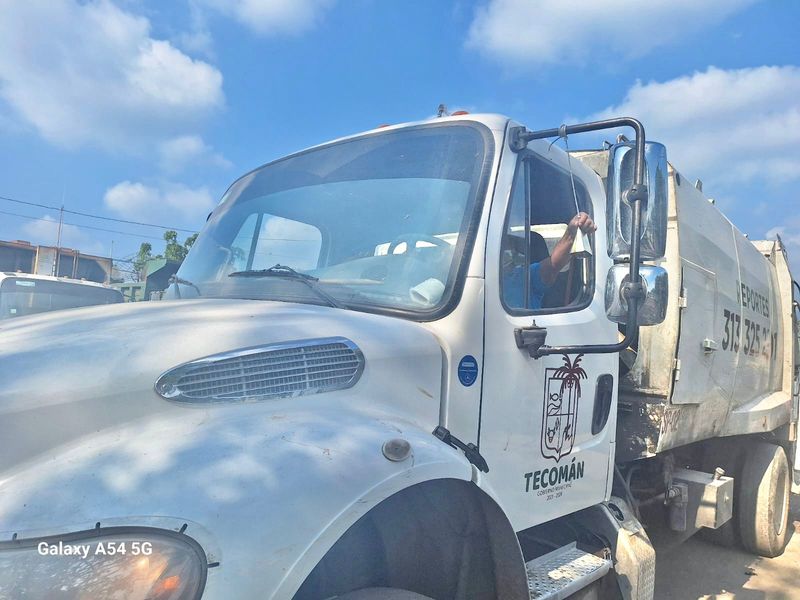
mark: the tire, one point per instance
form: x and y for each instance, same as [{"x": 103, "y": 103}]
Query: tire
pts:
[
  {"x": 763, "y": 500},
  {"x": 381, "y": 594}
]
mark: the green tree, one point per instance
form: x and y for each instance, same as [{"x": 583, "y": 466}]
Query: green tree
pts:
[
  {"x": 140, "y": 262},
  {"x": 190, "y": 241},
  {"x": 173, "y": 250}
]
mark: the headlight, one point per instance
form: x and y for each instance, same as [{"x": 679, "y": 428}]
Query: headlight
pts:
[{"x": 130, "y": 563}]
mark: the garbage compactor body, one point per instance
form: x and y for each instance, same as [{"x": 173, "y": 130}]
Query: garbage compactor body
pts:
[{"x": 721, "y": 362}]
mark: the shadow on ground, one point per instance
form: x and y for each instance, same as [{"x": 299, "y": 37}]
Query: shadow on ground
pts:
[{"x": 698, "y": 570}]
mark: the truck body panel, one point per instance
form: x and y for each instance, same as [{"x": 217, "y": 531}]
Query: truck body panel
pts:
[
  {"x": 212, "y": 472},
  {"x": 717, "y": 364},
  {"x": 110, "y": 377}
]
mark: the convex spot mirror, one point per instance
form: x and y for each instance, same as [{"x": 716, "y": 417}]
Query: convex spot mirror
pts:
[
  {"x": 654, "y": 308},
  {"x": 619, "y": 211}
]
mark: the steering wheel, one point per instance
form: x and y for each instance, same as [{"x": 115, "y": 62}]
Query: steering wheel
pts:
[{"x": 411, "y": 239}]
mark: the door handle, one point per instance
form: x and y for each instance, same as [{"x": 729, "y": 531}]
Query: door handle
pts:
[{"x": 602, "y": 402}]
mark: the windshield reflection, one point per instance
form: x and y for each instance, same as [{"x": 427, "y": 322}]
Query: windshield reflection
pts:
[{"x": 380, "y": 221}]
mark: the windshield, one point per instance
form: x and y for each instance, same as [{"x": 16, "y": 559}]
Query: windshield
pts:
[
  {"x": 20, "y": 297},
  {"x": 380, "y": 222}
]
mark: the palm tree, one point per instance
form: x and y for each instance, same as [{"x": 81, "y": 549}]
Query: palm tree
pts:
[{"x": 570, "y": 375}]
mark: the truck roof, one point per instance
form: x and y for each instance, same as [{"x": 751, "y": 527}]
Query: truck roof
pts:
[{"x": 495, "y": 122}]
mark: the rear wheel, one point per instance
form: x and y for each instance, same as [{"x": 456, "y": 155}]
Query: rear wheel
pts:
[{"x": 763, "y": 500}]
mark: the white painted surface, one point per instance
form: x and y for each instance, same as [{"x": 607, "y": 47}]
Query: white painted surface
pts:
[{"x": 86, "y": 438}]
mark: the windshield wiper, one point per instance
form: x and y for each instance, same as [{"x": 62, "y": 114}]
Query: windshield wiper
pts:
[
  {"x": 289, "y": 273},
  {"x": 178, "y": 282}
]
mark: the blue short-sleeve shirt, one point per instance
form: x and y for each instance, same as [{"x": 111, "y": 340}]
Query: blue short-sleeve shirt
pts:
[{"x": 514, "y": 282}]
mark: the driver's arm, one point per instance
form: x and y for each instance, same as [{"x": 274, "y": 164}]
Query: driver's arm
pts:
[{"x": 552, "y": 265}]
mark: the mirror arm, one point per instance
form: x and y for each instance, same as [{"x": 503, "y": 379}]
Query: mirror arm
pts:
[{"x": 636, "y": 196}]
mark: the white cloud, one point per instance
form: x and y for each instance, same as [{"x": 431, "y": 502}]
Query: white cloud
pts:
[
  {"x": 45, "y": 231},
  {"x": 135, "y": 200},
  {"x": 188, "y": 150},
  {"x": 91, "y": 73},
  {"x": 272, "y": 16},
  {"x": 790, "y": 235},
  {"x": 723, "y": 126},
  {"x": 547, "y": 32},
  {"x": 198, "y": 40}
]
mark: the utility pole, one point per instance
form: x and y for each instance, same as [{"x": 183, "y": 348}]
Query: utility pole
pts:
[
  {"x": 111, "y": 269},
  {"x": 58, "y": 241}
]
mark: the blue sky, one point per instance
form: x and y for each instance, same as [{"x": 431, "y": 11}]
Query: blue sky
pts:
[{"x": 146, "y": 111}]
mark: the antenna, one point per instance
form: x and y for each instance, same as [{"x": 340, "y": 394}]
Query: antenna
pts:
[{"x": 580, "y": 246}]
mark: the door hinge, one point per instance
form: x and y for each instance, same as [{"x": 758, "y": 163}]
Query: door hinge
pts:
[
  {"x": 470, "y": 450},
  {"x": 676, "y": 366}
]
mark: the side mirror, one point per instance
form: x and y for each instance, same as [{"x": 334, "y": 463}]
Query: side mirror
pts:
[
  {"x": 654, "y": 212},
  {"x": 653, "y": 309}
]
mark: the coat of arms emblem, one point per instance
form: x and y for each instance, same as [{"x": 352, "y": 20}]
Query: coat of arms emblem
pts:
[{"x": 562, "y": 391}]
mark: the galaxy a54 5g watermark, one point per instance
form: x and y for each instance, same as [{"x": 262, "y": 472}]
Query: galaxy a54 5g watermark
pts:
[{"x": 95, "y": 549}]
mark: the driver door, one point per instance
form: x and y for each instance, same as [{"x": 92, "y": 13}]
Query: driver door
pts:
[{"x": 546, "y": 425}]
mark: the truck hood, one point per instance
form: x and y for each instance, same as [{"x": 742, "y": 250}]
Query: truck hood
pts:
[{"x": 71, "y": 374}]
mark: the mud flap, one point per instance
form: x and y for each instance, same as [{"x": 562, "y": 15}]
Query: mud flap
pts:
[{"x": 634, "y": 557}]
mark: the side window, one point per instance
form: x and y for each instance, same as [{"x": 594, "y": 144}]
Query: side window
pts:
[{"x": 541, "y": 270}]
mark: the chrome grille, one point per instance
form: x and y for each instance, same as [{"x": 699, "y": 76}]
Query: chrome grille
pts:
[{"x": 263, "y": 372}]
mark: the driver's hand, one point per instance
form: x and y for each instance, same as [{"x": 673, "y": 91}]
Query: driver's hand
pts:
[{"x": 583, "y": 222}]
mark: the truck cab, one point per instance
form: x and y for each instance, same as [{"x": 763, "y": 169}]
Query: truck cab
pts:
[
  {"x": 396, "y": 223},
  {"x": 359, "y": 386}
]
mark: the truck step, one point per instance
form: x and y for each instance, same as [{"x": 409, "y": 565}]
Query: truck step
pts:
[{"x": 564, "y": 571}]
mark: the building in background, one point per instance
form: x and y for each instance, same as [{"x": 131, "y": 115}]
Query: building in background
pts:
[
  {"x": 21, "y": 256},
  {"x": 157, "y": 273}
]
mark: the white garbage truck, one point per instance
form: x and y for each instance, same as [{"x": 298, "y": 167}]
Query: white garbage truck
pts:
[{"x": 373, "y": 379}]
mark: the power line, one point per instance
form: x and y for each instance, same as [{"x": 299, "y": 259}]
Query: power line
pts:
[
  {"x": 91, "y": 216},
  {"x": 149, "y": 237}
]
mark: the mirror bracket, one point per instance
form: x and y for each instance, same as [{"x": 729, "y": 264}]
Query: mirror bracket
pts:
[
  {"x": 634, "y": 290},
  {"x": 634, "y": 193},
  {"x": 530, "y": 338}
]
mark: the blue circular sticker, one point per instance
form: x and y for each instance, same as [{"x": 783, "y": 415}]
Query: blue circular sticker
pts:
[{"x": 468, "y": 370}]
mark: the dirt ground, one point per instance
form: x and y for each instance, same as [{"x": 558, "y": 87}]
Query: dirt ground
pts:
[{"x": 697, "y": 570}]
